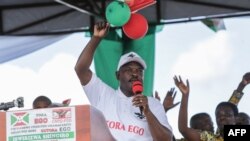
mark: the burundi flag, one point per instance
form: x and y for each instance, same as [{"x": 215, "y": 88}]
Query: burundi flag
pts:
[
  {"x": 113, "y": 46},
  {"x": 20, "y": 119},
  {"x": 214, "y": 24}
]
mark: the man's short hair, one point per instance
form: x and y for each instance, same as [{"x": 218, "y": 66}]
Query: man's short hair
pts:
[
  {"x": 43, "y": 99},
  {"x": 195, "y": 119},
  {"x": 228, "y": 104}
]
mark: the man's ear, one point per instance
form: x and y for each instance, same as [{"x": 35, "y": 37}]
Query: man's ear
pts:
[{"x": 117, "y": 74}]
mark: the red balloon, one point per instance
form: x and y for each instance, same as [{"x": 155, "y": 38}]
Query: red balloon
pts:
[{"x": 136, "y": 27}]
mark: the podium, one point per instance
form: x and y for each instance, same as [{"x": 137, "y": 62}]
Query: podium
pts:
[{"x": 75, "y": 123}]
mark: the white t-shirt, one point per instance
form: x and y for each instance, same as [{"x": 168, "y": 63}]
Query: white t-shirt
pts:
[{"x": 123, "y": 119}]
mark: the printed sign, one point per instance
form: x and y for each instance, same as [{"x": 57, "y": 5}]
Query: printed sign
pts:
[{"x": 51, "y": 124}]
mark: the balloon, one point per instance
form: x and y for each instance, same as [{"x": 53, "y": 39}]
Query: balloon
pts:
[
  {"x": 130, "y": 2},
  {"x": 136, "y": 27},
  {"x": 117, "y": 13},
  {"x": 136, "y": 5}
]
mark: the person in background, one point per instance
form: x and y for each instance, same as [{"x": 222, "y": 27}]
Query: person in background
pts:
[
  {"x": 121, "y": 107},
  {"x": 41, "y": 102},
  {"x": 202, "y": 122},
  {"x": 242, "y": 119},
  {"x": 225, "y": 114}
]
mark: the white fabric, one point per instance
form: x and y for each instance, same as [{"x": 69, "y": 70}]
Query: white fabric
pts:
[{"x": 119, "y": 112}]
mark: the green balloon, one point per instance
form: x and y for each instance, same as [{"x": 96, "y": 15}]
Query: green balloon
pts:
[{"x": 117, "y": 13}]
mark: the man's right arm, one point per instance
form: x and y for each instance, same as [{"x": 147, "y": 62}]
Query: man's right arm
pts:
[{"x": 84, "y": 61}]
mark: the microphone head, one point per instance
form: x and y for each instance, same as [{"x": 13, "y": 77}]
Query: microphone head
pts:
[{"x": 137, "y": 87}]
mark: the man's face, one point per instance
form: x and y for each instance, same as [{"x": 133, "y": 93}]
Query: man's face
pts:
[
  {"x": 224, "y": 116},
  {"x": 205, "y": 123},
  {"x": 127, "y": 74}
]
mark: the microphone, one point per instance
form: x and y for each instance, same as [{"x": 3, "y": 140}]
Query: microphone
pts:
[{"x": 137, "y": 88}]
